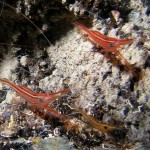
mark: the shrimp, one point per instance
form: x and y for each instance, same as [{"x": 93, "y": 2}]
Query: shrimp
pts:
[
  {"x": 114, "y": 131},
  {"x": 109, "y": 44},
  {"x": 40, "y": 103},
  {"x": 38, "y": 100}
]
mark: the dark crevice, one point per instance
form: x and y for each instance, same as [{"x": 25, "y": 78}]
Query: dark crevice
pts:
[{"x": 147, "y": 63}]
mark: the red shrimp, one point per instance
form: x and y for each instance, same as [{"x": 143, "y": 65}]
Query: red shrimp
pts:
[
  {"x": 109, "y": 44},
  {"x": 113, "y": 131},
  {"x": 38, "y": 100}
]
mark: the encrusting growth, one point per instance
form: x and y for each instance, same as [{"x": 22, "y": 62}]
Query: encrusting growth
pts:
[{"x": 41, "y": 100}]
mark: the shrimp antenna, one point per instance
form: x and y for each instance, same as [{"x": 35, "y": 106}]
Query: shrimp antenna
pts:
[
  {"x": 28, "y": 20},
  {"x": 2, "y": 8}
]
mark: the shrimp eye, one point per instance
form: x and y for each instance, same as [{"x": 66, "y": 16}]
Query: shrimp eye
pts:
[
  {"x": 41, "y": 100},
  {"x": 111, "y": 45}
]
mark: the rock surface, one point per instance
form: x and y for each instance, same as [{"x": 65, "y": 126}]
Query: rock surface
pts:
[{"x": 102, "y": 89}]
